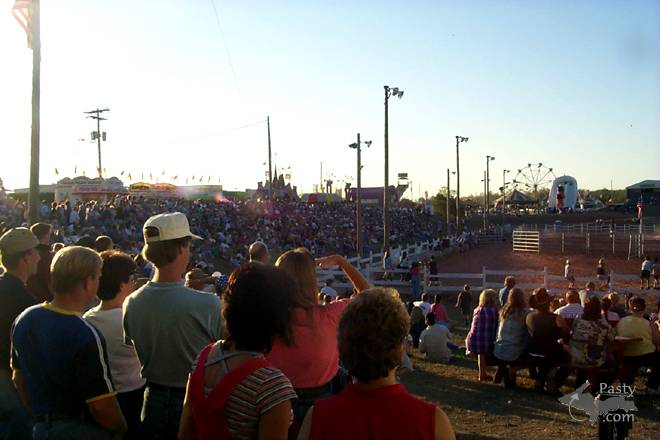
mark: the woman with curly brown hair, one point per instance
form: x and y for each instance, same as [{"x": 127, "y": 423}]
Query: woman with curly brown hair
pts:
[
  {"x": 372, "y": 330},
  {"x": 312, "y": 360},
  {"x": 233, "y": 391}
]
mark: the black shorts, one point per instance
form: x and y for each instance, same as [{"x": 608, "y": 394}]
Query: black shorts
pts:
[{"x": 646, "y": 275}]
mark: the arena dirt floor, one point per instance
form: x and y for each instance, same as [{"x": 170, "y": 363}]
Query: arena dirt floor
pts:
[
  {"x": 499, "y": 256},
  {"x": 481, "y": 411}
]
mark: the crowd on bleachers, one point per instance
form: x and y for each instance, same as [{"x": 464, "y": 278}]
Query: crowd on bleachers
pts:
[{"x": 230, "y": 226}]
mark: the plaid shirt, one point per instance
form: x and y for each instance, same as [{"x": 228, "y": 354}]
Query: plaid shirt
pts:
[{"x": 482, "y": 334}]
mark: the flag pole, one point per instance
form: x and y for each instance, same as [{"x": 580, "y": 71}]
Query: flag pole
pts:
[{"x": 33, "y": 199}]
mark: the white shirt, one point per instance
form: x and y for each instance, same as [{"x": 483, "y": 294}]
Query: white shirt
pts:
[
  {"x": 124, "y": 362},
  {"x": 570, "y": 311},
  {"x": 647, "y": 265},
  {"x": 425, "y": 306},
  {"x": 433, "y": 342}
]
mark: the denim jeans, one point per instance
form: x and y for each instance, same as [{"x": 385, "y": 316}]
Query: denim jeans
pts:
[
  {"x": 161, "y": 412},
  {"x": 416, "y": 287},
  {"x": 15, "y": 421},
  {"x": 131, "y": 406},
  {"x": 70, "y": 430}
]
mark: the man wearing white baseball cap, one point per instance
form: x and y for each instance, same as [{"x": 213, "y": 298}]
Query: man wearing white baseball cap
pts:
[{"x": 168, "y": 323}]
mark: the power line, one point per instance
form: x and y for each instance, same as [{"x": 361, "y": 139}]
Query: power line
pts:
[
  {"x": 232, "y": 129},
  {"x": 222, "y": 34}
]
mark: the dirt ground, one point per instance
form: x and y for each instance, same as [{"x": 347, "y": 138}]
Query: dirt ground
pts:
[
  {"x": 481, "y": 411},
  {"x": 499, "y": 256}
]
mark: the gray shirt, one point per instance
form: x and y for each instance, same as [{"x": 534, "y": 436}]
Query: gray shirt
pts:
[
  {"x": 512, "y": 338},
  {"x": 169, "y": 324}
]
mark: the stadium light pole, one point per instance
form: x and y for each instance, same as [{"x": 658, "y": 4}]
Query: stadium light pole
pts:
[
  {"x": 485, "y": 181},
  {"x": 358, "y": 197},
  {"x": 488, "y": 160},
  {"x": 459, "y": 139},
  {"x": 448, "y": 198},
  {"x": 394, "y": 91},
  {"x": 504, "y": 193}
]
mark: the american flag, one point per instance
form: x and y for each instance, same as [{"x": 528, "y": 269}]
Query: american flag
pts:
[{"x": 23, "y": 14}]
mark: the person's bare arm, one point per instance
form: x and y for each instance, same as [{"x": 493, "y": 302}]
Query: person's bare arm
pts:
[
  {"x": 359, "y": 281},
  {"x": 443, "y": 428},
  {"x": 108, "y": 415},
  {"x": 274, "y": 424},
  {"x": 655, "y": 332},
  {"x": 306, "y": 427},
  {"x": 17, "y": 378},
  {"x": 187, "y": 423}
]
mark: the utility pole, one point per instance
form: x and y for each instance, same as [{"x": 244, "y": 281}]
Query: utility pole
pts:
[
  {"x": 386, "y": 195},
  {"x": 504, "y": 195},
  {"x": 34, "y": 41},
  {"x": 448, "y": 193},
  {"x": 488, "y": 159},
  {"x": 394, "y": 91},
  {"x": 270, "y": 169},
  {"x": 96, "y": 114},
  {"x": 485, "y": 196},
  {"x": 459, "y": 139},
  {"x": 321, "y": 186},
  {"x": 358, "y": 197}
]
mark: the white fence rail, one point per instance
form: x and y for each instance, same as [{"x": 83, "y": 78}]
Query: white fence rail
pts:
[
  {"x": 487, "y": 278},
  {"x": 526, "y": 241}
]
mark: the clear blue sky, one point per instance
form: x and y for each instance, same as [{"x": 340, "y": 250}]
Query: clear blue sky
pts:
[{"x": 575, "y": 85}]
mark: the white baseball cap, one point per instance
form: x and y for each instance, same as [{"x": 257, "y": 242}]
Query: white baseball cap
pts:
[{"x": 170, "y": 226}]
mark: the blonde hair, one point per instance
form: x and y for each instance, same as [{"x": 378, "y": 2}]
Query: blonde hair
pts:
[
  {"x": 488, "y": 298},
  {"x": 71, "y": 266}
]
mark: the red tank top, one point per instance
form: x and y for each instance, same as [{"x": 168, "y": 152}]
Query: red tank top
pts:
[
  {"x": 359, "y": 413},
  {"x": 210, "y": 421}
]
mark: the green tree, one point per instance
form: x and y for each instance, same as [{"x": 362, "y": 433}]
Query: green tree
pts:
[{"x": 439, "y": 202}]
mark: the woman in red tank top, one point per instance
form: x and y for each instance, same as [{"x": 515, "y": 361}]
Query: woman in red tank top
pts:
[{"x": 372, "y": 330}]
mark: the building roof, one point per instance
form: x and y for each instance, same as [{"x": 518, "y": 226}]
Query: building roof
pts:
[{"x": 646, "y": 184}]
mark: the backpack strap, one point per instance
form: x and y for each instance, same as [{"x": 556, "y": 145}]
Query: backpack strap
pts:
[
  {"x": 230, "y": 381},
  {"x": 197, "y": 377}
]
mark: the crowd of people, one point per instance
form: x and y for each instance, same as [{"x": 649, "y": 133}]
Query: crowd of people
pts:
[
  {"x": 104, "y": 358},
  {"x": 597, "y": 334},
  {"x": 111, "y": 329},
  {"x": 230, "y": 226}
]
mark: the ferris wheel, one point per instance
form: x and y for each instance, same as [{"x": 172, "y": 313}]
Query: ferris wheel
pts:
[{"x": 534, "y": 177}]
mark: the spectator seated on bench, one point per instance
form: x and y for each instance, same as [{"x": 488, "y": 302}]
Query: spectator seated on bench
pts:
[
  {"x": 512, "y": 336},
  {"x": 640, "y": 353},
  {"x": 588, "y": 345},
  {"x": 543, "y": 346}
]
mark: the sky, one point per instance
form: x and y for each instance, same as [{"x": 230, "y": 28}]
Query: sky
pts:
[{"x": 574, "y": 85}]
